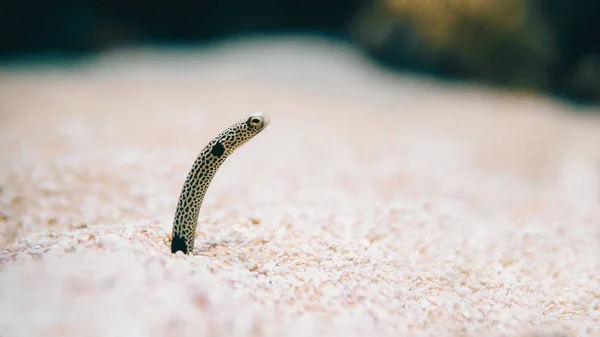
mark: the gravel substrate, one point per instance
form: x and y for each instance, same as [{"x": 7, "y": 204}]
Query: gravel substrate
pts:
[{"x": 373, "y": 204}]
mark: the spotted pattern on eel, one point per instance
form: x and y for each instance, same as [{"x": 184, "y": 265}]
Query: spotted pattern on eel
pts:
[{"x": 203, "y": 170}]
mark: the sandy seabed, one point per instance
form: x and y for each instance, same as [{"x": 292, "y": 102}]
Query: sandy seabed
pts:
[{"x": 373, "y": 205}]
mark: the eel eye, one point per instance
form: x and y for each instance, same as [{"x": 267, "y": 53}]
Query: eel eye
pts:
[{"x": 254, "y": 121}]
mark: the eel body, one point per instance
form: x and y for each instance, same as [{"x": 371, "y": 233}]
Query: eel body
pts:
[{"x": 201, "y": 174}]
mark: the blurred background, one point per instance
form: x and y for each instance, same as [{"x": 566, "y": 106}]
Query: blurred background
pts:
[{"x": 551, "y": 47}]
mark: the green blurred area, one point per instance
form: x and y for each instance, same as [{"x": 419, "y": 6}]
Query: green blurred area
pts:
[{"x": 531, "y": 45}]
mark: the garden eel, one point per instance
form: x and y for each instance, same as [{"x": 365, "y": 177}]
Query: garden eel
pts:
[{"x": 198, "y": 179}]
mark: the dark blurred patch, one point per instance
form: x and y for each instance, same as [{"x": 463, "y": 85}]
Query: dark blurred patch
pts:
[
  {"x": 69, "y": 26},
  {"x": 543, "y": 45},
  {"x": 575, "y": 29}
]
